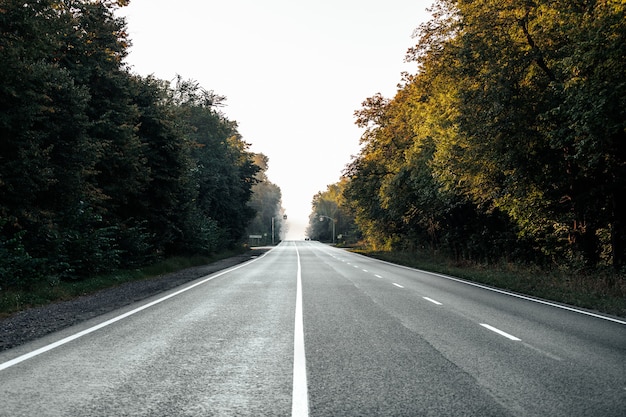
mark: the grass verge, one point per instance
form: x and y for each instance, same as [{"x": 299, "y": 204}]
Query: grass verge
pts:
[
  {"x": 603, "y": 291},
  {"x": 12, "y": 301}
]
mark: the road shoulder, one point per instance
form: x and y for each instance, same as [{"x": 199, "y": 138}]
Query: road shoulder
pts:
[{"x": 34, "y": 323}]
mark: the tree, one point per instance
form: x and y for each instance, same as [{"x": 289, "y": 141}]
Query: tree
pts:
[
  {"x": 163, "y": 206},
  {"x": 330, "y": 213},
  {"x": 520, "y": 145},
  {"x": 384, "y": 141},
  {"x": 589, "y": 123},
  {"x": 266, "y": 202},
  {"x": 47, "y": 159},
  {"x": 93, "y": 53},
  {"x": 224, "y": 167},
  {"x": 100, "y": 169}
]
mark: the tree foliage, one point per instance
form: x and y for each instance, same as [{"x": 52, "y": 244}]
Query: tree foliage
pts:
[
  {"x": 508, "y": 142},
  {"x": 328, "y": 208},
  {"x": 99, "y": 168},
  {"x": 266, "y": 202}
]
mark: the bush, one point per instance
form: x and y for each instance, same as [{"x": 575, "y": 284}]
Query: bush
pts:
[{"x": 18, "y": 269}]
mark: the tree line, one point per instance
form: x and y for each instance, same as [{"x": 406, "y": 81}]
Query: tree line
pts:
[
  {"x": 330, "y": 214},
  {"x": 266, "y": 201},
  {"x": 509, "y": 141},
  {"x": 101, "y": 169}
]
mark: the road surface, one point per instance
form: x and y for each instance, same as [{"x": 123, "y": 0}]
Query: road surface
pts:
[{"x": 312, "y": 330}]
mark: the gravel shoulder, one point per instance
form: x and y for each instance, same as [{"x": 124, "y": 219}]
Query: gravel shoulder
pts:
[{"x": 37, "y": 322}]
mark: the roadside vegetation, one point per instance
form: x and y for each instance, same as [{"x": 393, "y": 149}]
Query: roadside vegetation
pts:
[
  {"x": 103, "y": 170},
  {"x": 504, "y": 153},
  {"x": 14, "y": 300},
  {"x": 600, "y": 291}
]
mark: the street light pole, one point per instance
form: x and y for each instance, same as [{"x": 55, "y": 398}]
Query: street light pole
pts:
[{"x": 322, "y": 217}]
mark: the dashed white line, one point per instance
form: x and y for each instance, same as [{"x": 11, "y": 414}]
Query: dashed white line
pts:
[
  {"x": 377, "y": 276},
  {"x": 520, "y": 296},
  {"x": 397, "y": 285},
  {"x": 365, "y": 270},
  {"x": 432, "y": 301},
  {"x": 500, "y": 332}
]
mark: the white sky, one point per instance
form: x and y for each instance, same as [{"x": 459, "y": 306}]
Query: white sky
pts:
[{"x": 293, "y": 73}]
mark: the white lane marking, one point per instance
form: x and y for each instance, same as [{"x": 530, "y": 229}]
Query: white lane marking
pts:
[
  {"x": 397, "y": 285},
  {"x": 523, "y": 297},
  {"x": 432, "y": 301},
  {"x": 500, "y": 332},
  {"x": 377, "y": 276},
  {"x": 365, "y": 270},
  {"x": 300, "y": 396},
  {"x": 85, "y": 332}
]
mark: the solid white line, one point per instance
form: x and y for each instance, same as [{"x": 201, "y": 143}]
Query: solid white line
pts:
[
  {"x": 500, "y": 332},
  {"x": 85, "y": 332},
  {"x": 397, "y": 285},
  {"x": 523, "y": 297},
  {"x": 300, "y": 396},
  {"x": 432, "y": 301}
]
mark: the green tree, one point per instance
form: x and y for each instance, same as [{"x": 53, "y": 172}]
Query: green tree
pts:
[
  {"x": 47, "y": 158},
  {"x": 93, "y": 53},
  {"x": 224, "y": 167},
  {"x": 589, "y": 122},
  {"x": 519, "y": 97},
  {"x": 380, "y": 156},
  {"x": 164, "y": 206},
  {"x": 330, "y": 212},
  {"x": 101, "y": 169},
  {"x": 266, "y": 202}
]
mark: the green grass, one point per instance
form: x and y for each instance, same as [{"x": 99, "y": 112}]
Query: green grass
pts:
[
  {"x": 603, "y": 291},
  {"x": 12, "y": 301}
]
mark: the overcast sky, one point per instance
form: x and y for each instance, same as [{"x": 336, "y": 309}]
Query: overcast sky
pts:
[{"x": 293, "y": 73}]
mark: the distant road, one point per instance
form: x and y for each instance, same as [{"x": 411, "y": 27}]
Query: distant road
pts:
[{"x": 312, "y": 330}]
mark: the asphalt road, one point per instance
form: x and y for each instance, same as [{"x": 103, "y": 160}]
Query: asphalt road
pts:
[{"x": 311, "y": 330}]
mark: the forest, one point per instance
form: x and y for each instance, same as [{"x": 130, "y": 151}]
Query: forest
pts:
[
  {"x": 102, "y": 169},
  {"x": 507, "y": 143}
]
